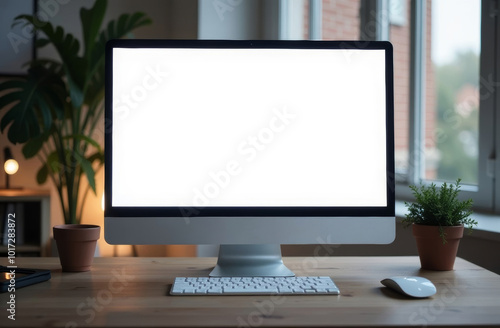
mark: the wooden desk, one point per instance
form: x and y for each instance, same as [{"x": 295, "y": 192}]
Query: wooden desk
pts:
[{"x": 133, "y": 292}]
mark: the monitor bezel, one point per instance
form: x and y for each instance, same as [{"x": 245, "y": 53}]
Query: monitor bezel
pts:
[{"x": 241, "y": 211}]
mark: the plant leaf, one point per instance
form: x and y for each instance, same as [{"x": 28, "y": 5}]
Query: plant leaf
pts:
[
  {"x": 67, "y": 47},
  {"x": 27, "y": 99},
  {"x": 91, "y": 23},
  {"x": 42, "y": 174},
  {"x": 54, "y": 165},
  {"x": 87, "y": 169},
  {"x": 86, "y": 139},
  {"x": 97, "y": 156},
  {"x": 33, "y": 146}
]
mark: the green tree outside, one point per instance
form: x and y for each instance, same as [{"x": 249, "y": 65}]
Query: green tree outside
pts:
[{"x": 458, "y": 118}]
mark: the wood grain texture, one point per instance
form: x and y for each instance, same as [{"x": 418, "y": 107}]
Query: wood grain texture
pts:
[{"x": 133, "y": 292}]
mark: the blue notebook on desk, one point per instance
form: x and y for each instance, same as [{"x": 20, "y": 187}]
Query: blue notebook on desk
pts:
[{"x": 12, "y": 279}]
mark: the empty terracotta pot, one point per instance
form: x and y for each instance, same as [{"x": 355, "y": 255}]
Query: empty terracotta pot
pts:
[
  {"x": 434, "y": 255},
  {"x": 76, "y": 245}
]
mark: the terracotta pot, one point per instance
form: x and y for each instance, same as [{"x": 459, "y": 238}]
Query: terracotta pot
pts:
[
  {"x": 76, "y": 245},
  {"x": 434, "y": 255}
]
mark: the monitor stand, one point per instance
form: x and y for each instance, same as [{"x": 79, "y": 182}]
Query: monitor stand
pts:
[{"x": 250, "y": 261}]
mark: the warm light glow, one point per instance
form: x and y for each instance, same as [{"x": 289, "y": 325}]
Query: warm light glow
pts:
[
  {"x": 11, "y": 166},
  {"x": 7, "y": 275}
]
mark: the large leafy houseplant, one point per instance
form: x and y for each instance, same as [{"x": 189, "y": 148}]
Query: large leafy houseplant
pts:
[{"x": 55, "y": 110}]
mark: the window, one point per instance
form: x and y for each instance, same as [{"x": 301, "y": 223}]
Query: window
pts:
[
  {"x": 320, "y": 20},
  {"x": 449, "y": 92},
  {"x": 453, "y": 84},
  {"x": 446, "y": 84},
  {"x": 450, "y": 124}
]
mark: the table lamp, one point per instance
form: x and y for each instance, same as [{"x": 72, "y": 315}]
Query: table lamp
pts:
[{"x": 10, "y": 166}]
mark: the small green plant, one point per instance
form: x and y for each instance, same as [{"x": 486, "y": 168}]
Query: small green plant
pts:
[{"x": 439, "y": 207}]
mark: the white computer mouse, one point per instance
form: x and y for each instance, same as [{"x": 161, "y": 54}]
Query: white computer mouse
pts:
[{"x": 411, "y": 286}]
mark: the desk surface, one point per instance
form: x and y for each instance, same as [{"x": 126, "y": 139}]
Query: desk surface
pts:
[{"x": 133, "y": 292}]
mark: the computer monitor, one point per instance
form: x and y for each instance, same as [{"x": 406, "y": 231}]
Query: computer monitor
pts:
[{"x": 249, "y": 144}]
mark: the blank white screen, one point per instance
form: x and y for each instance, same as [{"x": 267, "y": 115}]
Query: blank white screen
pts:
[{"x": 248, "y": 127}]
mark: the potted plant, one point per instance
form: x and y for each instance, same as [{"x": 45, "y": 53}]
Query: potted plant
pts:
[
  {"x": 438, "y": 218},
  {"x": 56, "y": 109}
]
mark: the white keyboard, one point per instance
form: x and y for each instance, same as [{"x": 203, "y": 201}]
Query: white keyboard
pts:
[{"x": 254, "y": 286}]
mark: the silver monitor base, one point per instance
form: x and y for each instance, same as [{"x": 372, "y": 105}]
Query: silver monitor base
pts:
[{"x": 250, "y": 261}]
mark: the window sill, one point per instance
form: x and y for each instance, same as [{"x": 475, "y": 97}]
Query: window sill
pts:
[{"x": 488, "y": 224}]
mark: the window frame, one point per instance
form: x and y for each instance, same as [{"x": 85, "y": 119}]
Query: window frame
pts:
[{"x": 375, "y": 25}]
